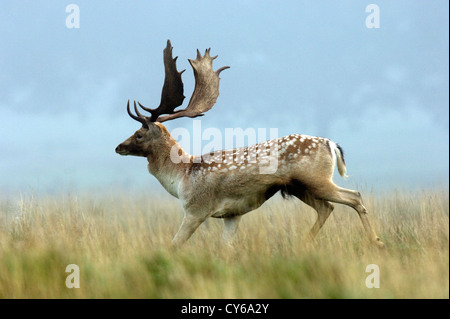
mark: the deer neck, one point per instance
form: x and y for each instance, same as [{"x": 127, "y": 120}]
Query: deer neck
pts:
[{"x": 167, "y": 161}]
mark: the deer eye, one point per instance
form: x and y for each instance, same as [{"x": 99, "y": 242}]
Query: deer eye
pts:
[{"x": 138, "y": 136}]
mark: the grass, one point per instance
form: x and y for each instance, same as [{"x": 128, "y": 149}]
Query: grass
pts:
[{"x": 122, "y": 247}]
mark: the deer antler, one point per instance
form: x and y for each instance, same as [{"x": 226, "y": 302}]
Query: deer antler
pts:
[
  {"x": 140, "y": 118},
  {"x": 206, "y": 88},
  {"x": 205, "y": 93},
  {"x": 172, "y": 92}
]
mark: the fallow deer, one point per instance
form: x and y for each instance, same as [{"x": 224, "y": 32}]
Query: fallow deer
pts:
[{"x": 229, "y": 184}]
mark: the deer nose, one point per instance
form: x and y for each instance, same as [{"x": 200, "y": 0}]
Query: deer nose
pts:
[{"x": 118, "y": 149}]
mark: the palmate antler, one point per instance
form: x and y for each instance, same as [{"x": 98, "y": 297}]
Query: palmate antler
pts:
[{"x": 203, "y": 99}]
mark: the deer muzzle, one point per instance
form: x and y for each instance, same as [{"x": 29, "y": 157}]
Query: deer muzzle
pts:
[{"x": 121, "y": 150}]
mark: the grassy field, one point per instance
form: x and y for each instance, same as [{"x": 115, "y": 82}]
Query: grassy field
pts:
[{"x": 122, "y": 247}]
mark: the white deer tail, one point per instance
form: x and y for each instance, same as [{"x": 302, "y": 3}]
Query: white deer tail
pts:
[{"x": 338, "y": 155}]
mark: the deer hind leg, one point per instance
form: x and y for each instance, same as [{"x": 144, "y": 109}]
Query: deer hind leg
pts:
[
  {"x": 230, "y": 225},
  {"x": 322, "y": 207},
  {"x": 352, "y": 199}
]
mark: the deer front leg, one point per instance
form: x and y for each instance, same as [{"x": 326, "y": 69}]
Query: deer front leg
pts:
[
  {"x": 230, "y": 225},
  {"x": 188, "y": 226}
]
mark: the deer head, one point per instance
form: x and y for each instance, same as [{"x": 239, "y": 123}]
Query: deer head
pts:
[{"x": 153, "y": 135}]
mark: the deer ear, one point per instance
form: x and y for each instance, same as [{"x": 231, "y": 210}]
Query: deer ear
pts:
[{"x": 153, "y": 129}]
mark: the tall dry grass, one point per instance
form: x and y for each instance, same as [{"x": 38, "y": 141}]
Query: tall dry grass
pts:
[{"x": 122, "y": 247}]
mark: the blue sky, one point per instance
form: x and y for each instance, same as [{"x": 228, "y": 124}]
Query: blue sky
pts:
[{"x": 309, "y": 67}]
